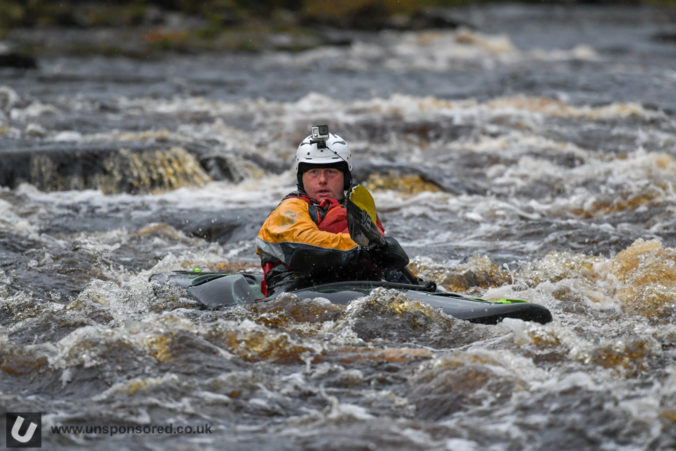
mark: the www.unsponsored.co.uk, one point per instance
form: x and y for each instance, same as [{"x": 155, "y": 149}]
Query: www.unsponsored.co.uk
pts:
[{"x": 86, "y": 429}]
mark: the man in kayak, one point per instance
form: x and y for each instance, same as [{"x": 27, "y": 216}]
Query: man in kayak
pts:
[{"x": 305, "y": 240}]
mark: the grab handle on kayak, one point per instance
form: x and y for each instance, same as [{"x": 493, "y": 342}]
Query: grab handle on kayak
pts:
[{"x": 227, "y": 290}]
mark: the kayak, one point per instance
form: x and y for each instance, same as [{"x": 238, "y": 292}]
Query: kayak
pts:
[{"x": 220, "y": 290}]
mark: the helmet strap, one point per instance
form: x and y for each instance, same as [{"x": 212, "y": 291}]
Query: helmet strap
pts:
[{"x": 347, "y": 180}]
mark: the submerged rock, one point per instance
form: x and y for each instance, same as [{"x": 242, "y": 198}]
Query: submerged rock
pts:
[{"x": 107, "y": 167}]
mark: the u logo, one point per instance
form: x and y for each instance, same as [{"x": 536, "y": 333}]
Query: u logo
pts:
[{"x": 24, "y": 430}]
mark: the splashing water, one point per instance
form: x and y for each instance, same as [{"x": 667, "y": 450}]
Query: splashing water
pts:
[{"x": 508, "y": 161}]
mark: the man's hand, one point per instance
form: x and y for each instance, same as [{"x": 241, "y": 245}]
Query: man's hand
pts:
[{"x": 388, "y": 254}]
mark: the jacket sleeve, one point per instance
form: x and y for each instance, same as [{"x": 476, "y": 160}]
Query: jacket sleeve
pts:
[{"x": 290, "y": 236}]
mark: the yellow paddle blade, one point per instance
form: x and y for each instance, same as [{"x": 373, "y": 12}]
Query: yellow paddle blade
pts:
[
  {"x": 362, "y": 198},
  {"x": 361, "y": 217}
]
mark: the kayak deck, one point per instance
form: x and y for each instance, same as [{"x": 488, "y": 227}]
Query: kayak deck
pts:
[{"x": 217, "y": 290}]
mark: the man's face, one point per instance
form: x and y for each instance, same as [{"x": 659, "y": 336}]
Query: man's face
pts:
[{"x": 323, "y": 183}]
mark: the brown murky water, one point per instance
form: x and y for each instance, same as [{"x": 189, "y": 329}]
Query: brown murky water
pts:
[{"x": 515, "y": 160}]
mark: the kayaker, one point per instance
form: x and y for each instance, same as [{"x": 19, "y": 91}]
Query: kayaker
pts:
[{"x": 305, "y": 240}]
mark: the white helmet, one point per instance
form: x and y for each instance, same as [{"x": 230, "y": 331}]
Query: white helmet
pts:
[
  {"x": 333, "y": 150},
  {"x": 325, "y": 149}
]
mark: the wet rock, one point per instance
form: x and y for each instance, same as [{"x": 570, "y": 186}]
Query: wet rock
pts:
[
  {"x": 103, "y": 166},
  {"x": 435, "y": 18},
  {"x": 17, "y": 61},
  {"x": 665, "y": 37},
  {"x": 409, "y": 184},
  {"x": 234, "y": 165},
  {"x": 431, "y": 177},
  {"x": 376, "y": 15},
  {"x": 221, "y": 167}
]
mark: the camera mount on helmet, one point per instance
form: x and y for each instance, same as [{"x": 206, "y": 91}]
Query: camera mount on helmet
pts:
[{"x": 320, "y": 133}]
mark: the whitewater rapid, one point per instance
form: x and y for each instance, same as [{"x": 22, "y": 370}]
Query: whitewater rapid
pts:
[{"x": 509, "y": 161}]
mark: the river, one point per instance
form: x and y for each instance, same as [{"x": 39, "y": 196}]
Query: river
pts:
[{"x": 531, "y": 156}]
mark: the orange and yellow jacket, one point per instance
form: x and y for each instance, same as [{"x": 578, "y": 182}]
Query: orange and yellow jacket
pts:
[{"x": 304, "y": 242}]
